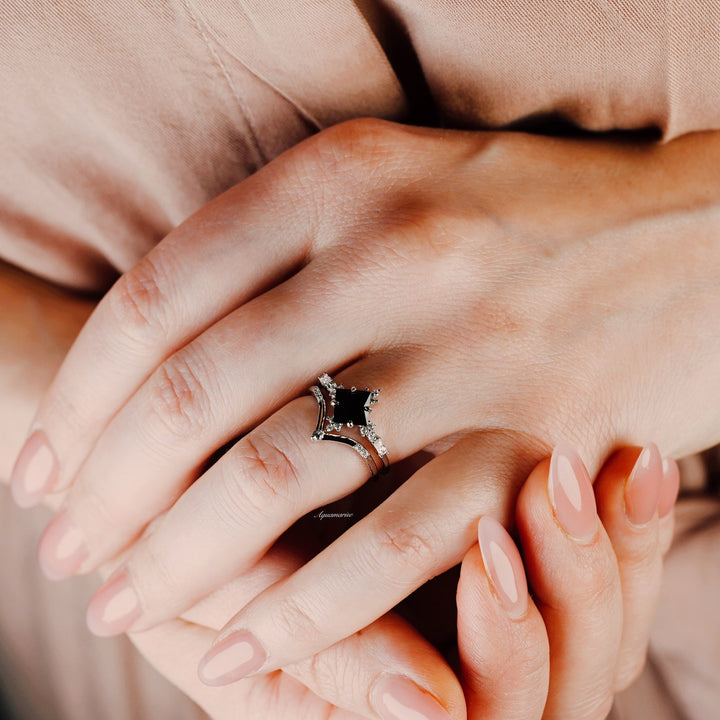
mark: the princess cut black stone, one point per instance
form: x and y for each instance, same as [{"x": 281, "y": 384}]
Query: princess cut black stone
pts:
[{"x": 351, "y": 406}]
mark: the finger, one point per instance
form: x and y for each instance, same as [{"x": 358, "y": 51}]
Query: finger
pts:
[
  {"x": 388, "y": 668},
  {"x": 270, "y": 478},
  {"x": 174, "y": 649},
  {"x": 627, "y": 492},
  {"x": 218, "y": 259},
  {"x": 574, "y": 575},
  {"x": 669, "y": 490},
  {"x": 387, "y": 671},
  {"x": 424, "y": 528},
  {"x": 501, "y": 636}
]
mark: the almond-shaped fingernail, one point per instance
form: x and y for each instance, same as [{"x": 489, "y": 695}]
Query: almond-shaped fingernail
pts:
[
  {"x": 114, "y": 607},
  {"x": 642, "y": 489},
  {"x": 240, "y": 654},
  {"x": 62, "y": 548},
  {"x": 571, "y": 494},
  {"x": 669, "y": 487},
  {"x": 395, "y": 697},
  {"x": 503, "y": 566},
  {"x": 35, "y": 472}
]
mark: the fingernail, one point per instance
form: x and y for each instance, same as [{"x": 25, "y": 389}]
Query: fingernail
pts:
[
  {"x": 35, "y": 472},
  {"x": 504, "y": 566},
  {"x": 237, "y": 656},
  {"x": 62, "y": 549},
  {"x": 114, "y": 607},
  {"x": 642, "y": 489},
  {"x": 394, "y": 697},
  {"x": 669, "y": 487},
  {"x": 571, "y": 494}
]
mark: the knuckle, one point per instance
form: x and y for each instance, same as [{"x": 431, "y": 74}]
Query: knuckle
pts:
[
  {"x": 598, "y": 586},
  {"x": 179, "y": 397},
  {"x": 157, "y": 570},
  {"x": 265, "y": 471},
  {"x": 345, "y": 160},
  {"x": 400, "y": 546},
  {"x": 342, "y": 146},
  {"x": 332, "y": 673},
  {"x": 292, "y": 619},
  {"x": 139, "y": 304}
]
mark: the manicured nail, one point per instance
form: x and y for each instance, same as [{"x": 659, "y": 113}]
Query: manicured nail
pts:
[
  {"x": 114, "y": 607},
  {"x": 62, "y": 549},
  {"x": 571, "y": 494},
  {"x": 642, "y": 489},
  {"x": 237, "y": 656},
  {"x": 504, "y": 566},
  {"x": 394, "y": 697},
  {"x": 35, "y": 472},
  {"x": 669, "y": 487}
]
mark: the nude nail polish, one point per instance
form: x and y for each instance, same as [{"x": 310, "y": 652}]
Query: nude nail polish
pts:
[
  {"x": 237, "y": 656},
  {"x": 503, "y": 566},
  {"x": 114, "y": 607},
  {"x": 35, "y": 472},
  {"x": 571, "y": 494},
  {"x": 395, "y": 697},
  {"x": 669, "y": 487},
  {"x": 642, "y": 488},
  {"x": 62, "y": 549}
]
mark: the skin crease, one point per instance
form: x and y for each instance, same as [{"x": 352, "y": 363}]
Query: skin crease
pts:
[
  {"x": 483, "y": 263},
  {"x": 566, "y": 225}
]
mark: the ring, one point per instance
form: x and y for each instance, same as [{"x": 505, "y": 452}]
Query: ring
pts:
[{"x": 350, "y": 408}]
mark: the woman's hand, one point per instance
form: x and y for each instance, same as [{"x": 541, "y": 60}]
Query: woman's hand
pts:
[
  {"x": 562, "y": 654},
  {"x": 583, "y": 636},
  {"x": 336, "y": 683},
  {"x": 37, "y": 329},
  {"x": 504, "y": 292}
]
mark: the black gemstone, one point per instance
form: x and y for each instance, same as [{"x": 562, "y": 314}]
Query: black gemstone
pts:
[{"x": 351, "y": 407}]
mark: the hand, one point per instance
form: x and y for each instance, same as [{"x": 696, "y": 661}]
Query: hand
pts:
[
  {"x": 583, "y": 635},
  {"x": 509, "y": 312},
  {"x": 338, "y": 683},
  {"x": 37, "y": 330},
  {"x": 562, "y": 654}
]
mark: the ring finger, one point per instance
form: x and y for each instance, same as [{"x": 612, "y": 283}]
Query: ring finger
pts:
[
  {"x": 207, "y": 394},
  {"x": 227, "y": 519},
  {"x": 424, "y": 528}
]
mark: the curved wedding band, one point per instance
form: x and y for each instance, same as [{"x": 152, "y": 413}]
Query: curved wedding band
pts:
[{"x": 350, "y": 408}]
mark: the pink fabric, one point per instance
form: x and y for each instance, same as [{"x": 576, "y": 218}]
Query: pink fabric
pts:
[{"x": 120, "y": 119}]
